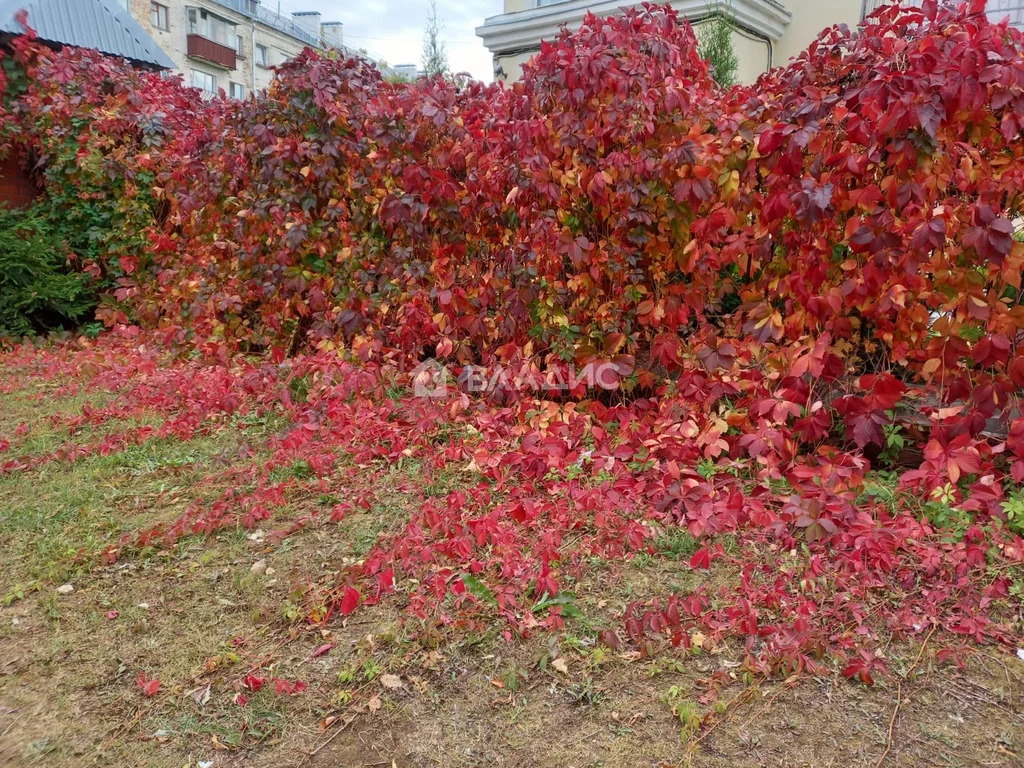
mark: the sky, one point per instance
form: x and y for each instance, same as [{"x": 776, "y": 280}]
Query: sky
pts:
[{"x": 393, "y": 29}]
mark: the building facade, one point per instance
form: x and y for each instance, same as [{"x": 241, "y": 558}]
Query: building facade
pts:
[
  {"x": 767, "y": 33},
  {"x": 230, "y": 45},
  {"x": 402, "y": 72}
]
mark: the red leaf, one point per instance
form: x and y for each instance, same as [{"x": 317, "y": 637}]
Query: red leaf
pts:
[
  {"x": 288, "y": 688},
  {"x": 610, "y": 638},
  {"x": 149, "y": 687},
  {"x": 253, "y": 682},
  {"x": 349, "y": 601},
  {"x": 701, "y": 558},
  {"x": 325, "y": 648},
  {"x": 857, "y": 668}
]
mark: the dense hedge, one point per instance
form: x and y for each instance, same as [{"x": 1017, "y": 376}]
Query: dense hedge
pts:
[{"x": 849, "y": 213}]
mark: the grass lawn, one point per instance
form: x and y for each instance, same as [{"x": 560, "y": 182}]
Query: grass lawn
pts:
[{"x": 381, "y": 689}]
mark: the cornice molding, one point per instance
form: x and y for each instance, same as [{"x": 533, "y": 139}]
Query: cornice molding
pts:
[{"x": 525, "y": 29}]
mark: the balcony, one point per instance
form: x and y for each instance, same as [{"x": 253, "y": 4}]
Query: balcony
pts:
[{"x": 200, "y": 47}]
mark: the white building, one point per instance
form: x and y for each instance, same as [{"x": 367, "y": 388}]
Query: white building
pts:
[
  {"x": 768, "y": 33},
  {"x": 402, "y": 71}
]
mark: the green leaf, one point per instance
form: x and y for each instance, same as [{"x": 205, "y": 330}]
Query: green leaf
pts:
[{"x": 478, "y": 589}]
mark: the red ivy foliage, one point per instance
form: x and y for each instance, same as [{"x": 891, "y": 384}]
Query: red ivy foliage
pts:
[
  {"x": 848, "y": 213},
  {"x": 824, "y": 567},
  {"x": 780, "y": 273}
]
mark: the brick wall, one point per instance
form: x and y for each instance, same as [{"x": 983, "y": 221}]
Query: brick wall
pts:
[{"x": 16, "y": 187}]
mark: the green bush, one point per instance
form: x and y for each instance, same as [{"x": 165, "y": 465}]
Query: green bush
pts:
[
  {"x": 714, "y": 44},
  {"x": 38, "y": 289}
]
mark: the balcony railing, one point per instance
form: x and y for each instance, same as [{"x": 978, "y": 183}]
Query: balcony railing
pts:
[
  {"x": 254, "y": 10},
  {"x": 208, "y": 50}
]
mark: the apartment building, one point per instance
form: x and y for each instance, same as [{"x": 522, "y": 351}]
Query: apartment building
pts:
[
  {"x": 230, "y": 45},
  {"x": 407, "y": 72},
  {"x": 767, "y": 33}
]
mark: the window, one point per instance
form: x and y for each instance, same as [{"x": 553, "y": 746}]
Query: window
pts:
[
  {"x": 236, "y": 91},
  {"x": 158, "y": 16},
  {"x": 262, "y": 56},
  {"x": 239, "y": 42},
  {"x": 211, "y": 27},
  {"x": 204, "y": 81}
]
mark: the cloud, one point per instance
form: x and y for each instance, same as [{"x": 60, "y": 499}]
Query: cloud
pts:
[{"x": 393, "y": 29}]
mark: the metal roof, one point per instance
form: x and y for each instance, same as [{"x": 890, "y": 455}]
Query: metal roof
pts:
[{"x": 101, "y": 24}]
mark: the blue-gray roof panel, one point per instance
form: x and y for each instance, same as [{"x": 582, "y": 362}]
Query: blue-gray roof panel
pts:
[{"x": 101, "y": 24}]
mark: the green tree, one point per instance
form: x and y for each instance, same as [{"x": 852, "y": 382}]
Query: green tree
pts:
[
  {"x": 39, "y": 290},
  {"x": 435, "y": 54},
  {"x": 714, "y": 44}
]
